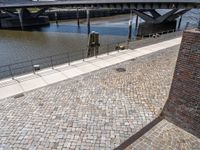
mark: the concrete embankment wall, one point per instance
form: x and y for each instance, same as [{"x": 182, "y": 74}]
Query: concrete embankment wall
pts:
[
  {"x": 72, "y": 14},
  {"x": 183, "y": 105}
]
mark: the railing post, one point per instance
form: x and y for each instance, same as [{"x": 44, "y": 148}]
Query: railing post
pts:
[
  {"x": 11, "y": 71},
  {"x": 83, "y": 56},
  {"x": 118, "y": 47},
  {"x": 96, "y": 52},
  {"x": 51, "y": 62},
  {"x": 68, "y": 58},
  {"x": 128, "y": 44},
  {"x": 32, "y": 67},
  {"x": 107, "y": 49}
]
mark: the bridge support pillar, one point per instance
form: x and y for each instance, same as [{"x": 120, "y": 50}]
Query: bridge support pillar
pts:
[
  {"x": 179, "y": 23},
  {"x": 156, "y": 22},
  {"x": 21, "y": 19},
  {"x": 136, "y": 22},
  {"x": 88, "y": 20},
  {"x": 130, "y": 30},
  {"x": 0, "y": 17},
  {"x": 56, "y": 17}
]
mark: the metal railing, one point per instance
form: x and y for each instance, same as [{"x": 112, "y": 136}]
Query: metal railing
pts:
[{"x": 24, "y": 67}]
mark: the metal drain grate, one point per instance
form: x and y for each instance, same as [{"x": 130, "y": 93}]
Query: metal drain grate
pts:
[
  {"x": 41, "y": 104},
  {"x": 121, "y": 70},
  {"x": 18, "y": 95},
  {"x": 133, "y": 59}
]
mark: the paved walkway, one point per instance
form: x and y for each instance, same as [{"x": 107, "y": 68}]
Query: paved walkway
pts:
[
  {"x": 46, "y": 77},
  {"x": 166, "y": 136},
  {"x": 98, "y": 110}
]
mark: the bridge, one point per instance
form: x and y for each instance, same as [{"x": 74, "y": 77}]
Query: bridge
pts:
[
  {"x": 122, "y": 4},
  {"x": 146, "y": 9}
]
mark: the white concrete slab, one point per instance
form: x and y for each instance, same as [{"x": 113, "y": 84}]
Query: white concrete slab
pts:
[
  {"x": 33, "y": 84},
  {"x": 100, "y": 63},
  {"x": 7, "y": 82},
  {"x": 54, "y": 77},
  {"x": 135, "y": 54},
  {"x": 88, "y": 68},
  {"x": 114, "y": 60},
  {"x": 10, "y": 90},
  {"x": 125, "y": 57},
  {"x": 26, "y": 77},
  {"x": 73, "y": 72}
]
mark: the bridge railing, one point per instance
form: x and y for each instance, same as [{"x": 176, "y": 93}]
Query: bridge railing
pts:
[{"x": 24, "y": 67}]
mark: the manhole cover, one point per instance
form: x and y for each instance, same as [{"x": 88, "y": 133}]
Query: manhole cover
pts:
[
  {"x": 120, "y": 69},
  {"x": 18, "y": 95}
]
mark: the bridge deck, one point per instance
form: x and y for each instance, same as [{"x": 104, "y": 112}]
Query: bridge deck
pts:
[{"x": 102, "y": 3}]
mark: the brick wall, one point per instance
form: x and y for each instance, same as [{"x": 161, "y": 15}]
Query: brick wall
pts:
[{"x": 183, "y": 105}]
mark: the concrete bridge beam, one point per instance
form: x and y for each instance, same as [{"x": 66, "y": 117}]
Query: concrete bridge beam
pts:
[
  {"x": 144, "y": 16},
  {"x": 40, "y": 12},
  {"x": 178, "y": 14},
  {"x": 165, "y": 16},
  {"x": 23, "y": 18},
  {"x": 10, "y": 13},
  {"x": 154, "y": 13},
  {"x": 156, "y": 22}
]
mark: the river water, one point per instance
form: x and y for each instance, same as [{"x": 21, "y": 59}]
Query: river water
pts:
[{"x": 17, "y": 46}]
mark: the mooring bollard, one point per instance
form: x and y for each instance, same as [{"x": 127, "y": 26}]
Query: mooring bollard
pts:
[{"x": 93, "y": 44}]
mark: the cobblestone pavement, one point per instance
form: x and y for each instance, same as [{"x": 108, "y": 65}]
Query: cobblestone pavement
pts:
[
  {"x": 166, "y": 136},
  {"x": 98, "y": 110}
]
